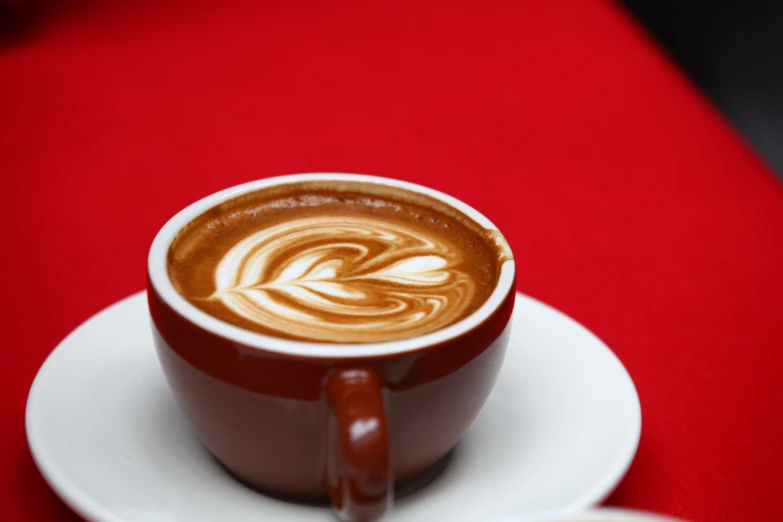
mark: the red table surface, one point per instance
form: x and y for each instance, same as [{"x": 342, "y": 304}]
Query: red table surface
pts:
[{"x": 630, "y": 203}]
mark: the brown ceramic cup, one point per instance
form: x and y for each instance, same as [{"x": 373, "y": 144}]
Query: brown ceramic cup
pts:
[{"x": 317, "y": 421}]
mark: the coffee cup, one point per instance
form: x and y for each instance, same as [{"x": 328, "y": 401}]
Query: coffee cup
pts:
[{"x": 347, "y": 416}]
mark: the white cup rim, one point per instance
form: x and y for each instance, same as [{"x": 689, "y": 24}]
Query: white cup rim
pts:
[{"x": 159, "y": 279}]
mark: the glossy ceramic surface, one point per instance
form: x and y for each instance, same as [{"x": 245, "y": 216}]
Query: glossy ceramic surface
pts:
[{"x": 312, "y": 421}]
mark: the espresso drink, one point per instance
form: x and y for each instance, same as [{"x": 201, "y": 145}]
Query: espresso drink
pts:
[{"x": 336, "y": 262}]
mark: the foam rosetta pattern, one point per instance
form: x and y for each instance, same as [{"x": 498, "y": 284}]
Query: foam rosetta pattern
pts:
[{"x": 348, "y": 278}]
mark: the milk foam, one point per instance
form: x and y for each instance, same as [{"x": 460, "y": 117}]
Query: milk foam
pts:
[{"x": 347, "y": 278}]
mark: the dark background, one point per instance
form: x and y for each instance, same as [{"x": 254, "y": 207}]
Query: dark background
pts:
[{"x": 734, "y": 52}]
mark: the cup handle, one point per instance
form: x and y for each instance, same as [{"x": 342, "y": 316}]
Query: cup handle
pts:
[{"x": 358, "y": 467}]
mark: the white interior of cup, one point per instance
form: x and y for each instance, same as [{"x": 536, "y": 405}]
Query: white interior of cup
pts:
[{"x": 160, "y": 280}]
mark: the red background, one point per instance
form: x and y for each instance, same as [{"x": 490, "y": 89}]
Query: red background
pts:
[{"x": 630, "y": 203}]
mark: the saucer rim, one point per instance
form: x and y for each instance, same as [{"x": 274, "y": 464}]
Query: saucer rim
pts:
[
  {"x": 604, "y": 487},
  {"x": 595, "y": 514},
  {"x": 56, "y": 478}
]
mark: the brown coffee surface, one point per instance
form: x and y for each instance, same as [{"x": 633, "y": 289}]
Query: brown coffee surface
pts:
[{"x": 336, "y": 262}]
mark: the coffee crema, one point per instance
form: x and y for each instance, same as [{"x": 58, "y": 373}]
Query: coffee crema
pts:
[{"x": 336, "y": 262}]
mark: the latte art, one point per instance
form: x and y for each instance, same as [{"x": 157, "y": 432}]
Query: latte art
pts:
[
  {"x": 344, "y": 278},
  {"x": 336, "y": 262}
]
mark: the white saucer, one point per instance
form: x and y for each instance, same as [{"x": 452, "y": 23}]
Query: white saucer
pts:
[{"x": 558, "y": 432}]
